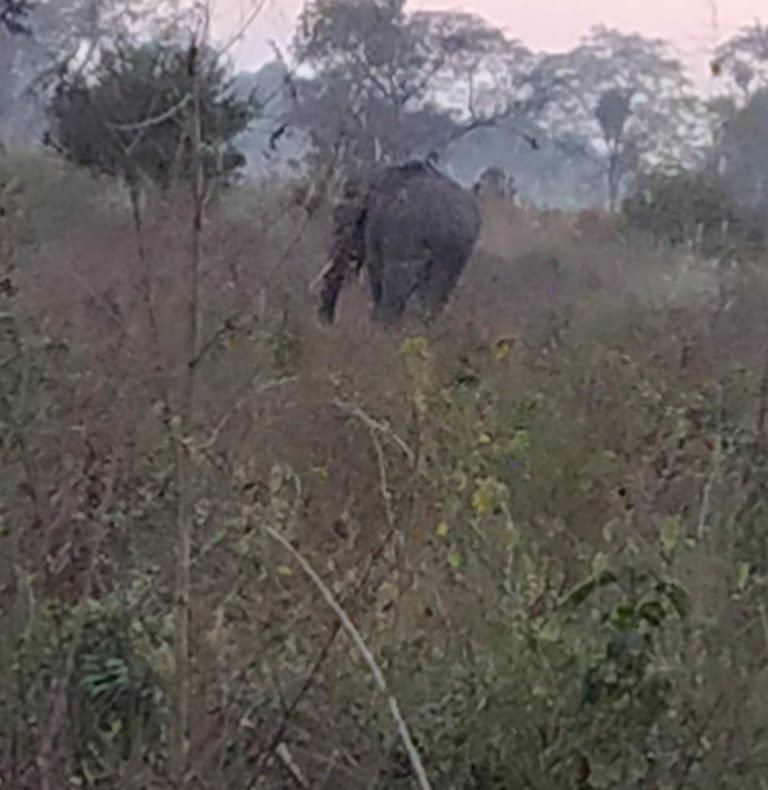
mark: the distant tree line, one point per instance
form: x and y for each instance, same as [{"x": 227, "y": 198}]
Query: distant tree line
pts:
[
  {"x": 370, "y": 81},
  {"x": 379, "y": 82}
]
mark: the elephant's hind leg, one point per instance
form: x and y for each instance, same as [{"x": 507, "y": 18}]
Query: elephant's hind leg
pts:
[
  {"x": 435, "y": 290},
  {"x": 399, "y": 281}
]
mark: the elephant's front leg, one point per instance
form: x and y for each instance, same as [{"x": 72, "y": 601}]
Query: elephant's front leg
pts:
[{"x": 331, "y": 280}]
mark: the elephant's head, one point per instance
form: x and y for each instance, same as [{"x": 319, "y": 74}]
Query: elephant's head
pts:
[{"x": 347, "y": 246}]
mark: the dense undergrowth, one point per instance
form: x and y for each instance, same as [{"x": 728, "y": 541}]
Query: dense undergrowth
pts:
[{"x": 545, "y": 514}]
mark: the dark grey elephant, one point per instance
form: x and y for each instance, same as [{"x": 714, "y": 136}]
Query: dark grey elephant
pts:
[{"x": 413, "y": 228}]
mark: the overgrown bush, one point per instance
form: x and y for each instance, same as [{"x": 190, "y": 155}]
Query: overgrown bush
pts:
[
  {"x": 544, "y": 515},
  {"x": 133, "y": 116},
  {"x": 694, "y": 208}
]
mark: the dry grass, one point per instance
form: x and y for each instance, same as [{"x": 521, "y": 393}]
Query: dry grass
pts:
[{"x": 587, "y": 403}]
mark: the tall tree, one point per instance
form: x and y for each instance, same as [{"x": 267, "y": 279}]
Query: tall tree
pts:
[
  {"x": 14, "y": 24},
  {"x": 61, "y": 35},
  {"x": 742, "y": 150},
  {"x": 481, "y": 69},
  {"x": 625, "y": 96},
  {"x": 743, "y": 59},
  {"x": 372, "y": 43},
  {"x": 379, "y": 75}
]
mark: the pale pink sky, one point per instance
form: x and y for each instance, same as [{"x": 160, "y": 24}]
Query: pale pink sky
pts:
[{"x": 542, "y": 24}]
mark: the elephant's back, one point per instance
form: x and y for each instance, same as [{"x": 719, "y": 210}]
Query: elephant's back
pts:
[{"x": 428, "y": 210}]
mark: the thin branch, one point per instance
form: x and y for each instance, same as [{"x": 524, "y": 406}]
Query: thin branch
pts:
[
  {"x": 154, "y": 121},
  {"x": 492, "y": 122},
  {"x": 717, "y": 457},
  {"x": 290, "y": 764},
  {"x": 375, "y": 426},
  {"x": 365, "y": 652},
  {"x": 263, "y": 387}
]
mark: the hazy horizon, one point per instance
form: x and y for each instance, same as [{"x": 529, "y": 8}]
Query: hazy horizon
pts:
[{"x": 693, "y": 27}]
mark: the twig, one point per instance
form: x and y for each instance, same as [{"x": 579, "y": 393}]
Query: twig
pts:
[
  {"x": 265, "y": 386},
  {"x": 693, "y": 753},
  {"x": 375, "y": 426},
  {"x": 322, "y": 655},
  {"x": 365, "y": 652},
  {"x": 287, "y": 760},
  {"x": 153, "y": 121},
  {"x": 717, "y": 456}
]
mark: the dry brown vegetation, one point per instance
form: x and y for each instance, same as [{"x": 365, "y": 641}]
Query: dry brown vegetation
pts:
[{"x": 545, "y": 514}]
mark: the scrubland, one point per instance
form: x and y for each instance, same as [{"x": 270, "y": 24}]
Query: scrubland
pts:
[{"x": 545, "y": 514}]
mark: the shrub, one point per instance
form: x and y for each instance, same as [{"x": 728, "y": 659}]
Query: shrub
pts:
[
  {"x": 687, "y": 207},
  {"x": 132, "y": 117}
]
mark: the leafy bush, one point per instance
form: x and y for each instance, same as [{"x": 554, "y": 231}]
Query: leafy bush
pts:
[
  {"x": 132, "y": 117},
  {"x": 693, "y": 208}
]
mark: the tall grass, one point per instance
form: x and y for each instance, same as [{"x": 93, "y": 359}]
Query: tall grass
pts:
[{"x": 544, "y": 515}]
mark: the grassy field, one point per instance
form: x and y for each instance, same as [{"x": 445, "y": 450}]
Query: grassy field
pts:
[{"x": 546, "y": 515}]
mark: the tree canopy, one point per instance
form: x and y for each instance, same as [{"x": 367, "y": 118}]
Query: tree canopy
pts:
[
  {"x": 131, "y": 117},
  {"x": 380, "y": 75},
  {"x": 14, "y": 15}
]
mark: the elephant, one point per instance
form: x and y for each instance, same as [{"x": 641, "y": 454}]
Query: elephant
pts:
[{"x": 413, "y": 228}]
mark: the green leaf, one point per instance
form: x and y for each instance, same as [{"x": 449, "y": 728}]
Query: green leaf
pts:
[
  {"x": 321, "y": 472},
  {"x": 515, "y": 537},
  {"x": 742, "y": 576},
  {"x": 671, "y": 531},
  {"x": 455, "y": 559},
  {"x": 489, "y": 496},
  {"x": 624, "y": 617},
  {"x": 677, "y": 595},
  {"x": 582, "y": 591},
  {"x": 549, "y": 631},
  {"x": 520, "y": 442},
  {"x": 501, "y": 348},
  {"x": 599, "y": 563}
]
